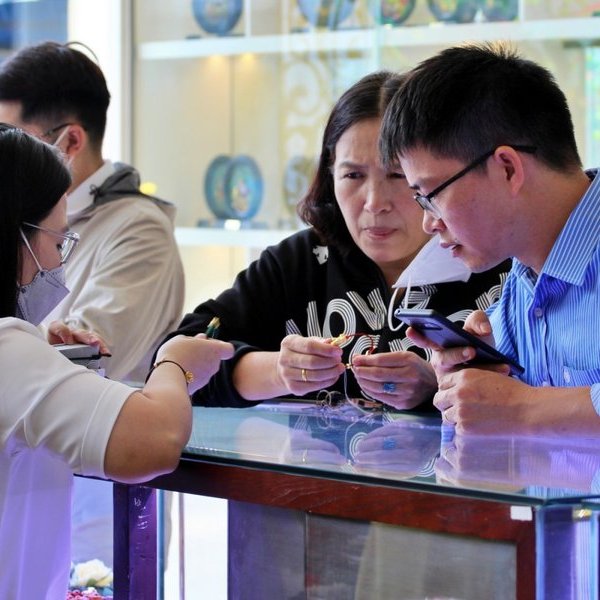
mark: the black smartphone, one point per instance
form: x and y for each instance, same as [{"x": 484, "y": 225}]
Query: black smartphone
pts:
[
  {"x": 439, "y": 329},
  {"x": 81, "y": 354}
]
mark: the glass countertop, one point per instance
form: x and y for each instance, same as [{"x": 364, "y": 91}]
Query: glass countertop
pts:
[{"x": 399, "y": 450}]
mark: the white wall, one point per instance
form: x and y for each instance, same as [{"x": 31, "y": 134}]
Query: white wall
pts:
[{"x": 106, "y": 28}]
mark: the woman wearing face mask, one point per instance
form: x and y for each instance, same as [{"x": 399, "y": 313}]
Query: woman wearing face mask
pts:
[
  {"x": 57, "y": 418},
  {"x": 336, "y": 278},
  {"x": 41, "y": 289}
]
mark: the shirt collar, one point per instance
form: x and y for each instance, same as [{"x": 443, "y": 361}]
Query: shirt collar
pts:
[
  {"x": 577, "y": 242},
  {"x": 81, "y": 197}
]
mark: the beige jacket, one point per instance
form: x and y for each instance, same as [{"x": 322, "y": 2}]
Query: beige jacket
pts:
[{"x": 126, "y": 277}]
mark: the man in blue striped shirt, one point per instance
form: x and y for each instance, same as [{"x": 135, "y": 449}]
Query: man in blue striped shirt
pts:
[{"x": 486, "y": 140}]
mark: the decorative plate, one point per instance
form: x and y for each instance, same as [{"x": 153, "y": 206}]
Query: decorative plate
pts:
[
  {"x": 243, "y": 187},
  {"x": 500, "y": 10},
  {"x": 455, "y": 11},
  {"x": 214, "y": 186},
  {"x": 217, "y": 16},
  {"x": 326, "y": 13},
  {"x": 391, "y": 12}
]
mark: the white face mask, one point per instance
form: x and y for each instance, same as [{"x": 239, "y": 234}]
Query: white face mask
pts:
[
  {"x": 433, "y": 264},
  {"x": 37, "y": 299},
  {"x": 68, "y": 159}
]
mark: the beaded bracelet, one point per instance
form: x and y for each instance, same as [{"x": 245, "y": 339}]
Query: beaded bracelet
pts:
[{"x": 189, "y": 376}]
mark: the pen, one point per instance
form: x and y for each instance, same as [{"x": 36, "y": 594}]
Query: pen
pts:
[{"x": 213, "y": 327}]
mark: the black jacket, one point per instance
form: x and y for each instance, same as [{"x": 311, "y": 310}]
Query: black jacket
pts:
[{"x": 300, "y": 286}]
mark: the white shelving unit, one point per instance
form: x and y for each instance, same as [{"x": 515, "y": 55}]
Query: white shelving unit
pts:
[
  {"x": 318, "y": 41},
  {"x": 559, "y": 33}
]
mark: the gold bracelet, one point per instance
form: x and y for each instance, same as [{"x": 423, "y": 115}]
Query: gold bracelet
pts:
[{"x": 189, "y": 376}]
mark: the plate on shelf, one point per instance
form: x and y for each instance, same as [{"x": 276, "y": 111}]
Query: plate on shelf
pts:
[
  {"x": 243, "y": 187},
  {"x": 217, "y": 16},
  {"x": 214, "y": 186},
  {"x": 391, "y": 12},
  {"x": 454, "y": 11},
  {"x": 500, "y": 10},
  {"x": 326, "y": 13}
]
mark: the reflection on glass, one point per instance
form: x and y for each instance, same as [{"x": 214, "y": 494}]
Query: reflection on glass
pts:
[
  {"x": 548, "y": 467},
  {"x": 347, "y": 442}
]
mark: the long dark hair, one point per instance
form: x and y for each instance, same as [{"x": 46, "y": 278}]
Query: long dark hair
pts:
[
  {"x": 34, "y": 178},
  {"x": 366, "y": 99}
]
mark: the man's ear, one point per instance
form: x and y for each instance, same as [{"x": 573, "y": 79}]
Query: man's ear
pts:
[
  {"x": 511, "y": 165},
  {"x": 75, "y": 141}
]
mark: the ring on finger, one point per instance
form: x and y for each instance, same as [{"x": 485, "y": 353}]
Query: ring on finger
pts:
[
  {"x": 304, "y": 377},
  {"x": 389, "y": 443},
  {"x": 389, "y": 387}
]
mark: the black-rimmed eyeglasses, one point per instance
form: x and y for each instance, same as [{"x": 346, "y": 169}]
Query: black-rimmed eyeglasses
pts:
[
  {"x": 66, "y": 247},
  {"x": 55, "y": 129},
  {"x": 425, "y": 200}
]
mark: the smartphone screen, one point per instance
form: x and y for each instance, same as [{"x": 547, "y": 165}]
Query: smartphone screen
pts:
[{"x": 439, "y": 329}]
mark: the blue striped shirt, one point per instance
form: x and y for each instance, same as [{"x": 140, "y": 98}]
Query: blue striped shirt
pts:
[{"x": 551, "y": 323}]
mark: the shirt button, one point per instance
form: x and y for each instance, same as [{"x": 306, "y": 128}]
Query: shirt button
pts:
[
  {"x": 567, "y": 376},
  {"x": 538, "y": 312}
]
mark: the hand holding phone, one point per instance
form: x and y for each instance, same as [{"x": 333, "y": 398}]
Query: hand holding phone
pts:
[{"x": 439, "y": 329}]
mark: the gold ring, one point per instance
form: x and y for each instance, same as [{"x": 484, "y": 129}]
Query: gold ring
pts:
[{"x": 304, "y": 377}]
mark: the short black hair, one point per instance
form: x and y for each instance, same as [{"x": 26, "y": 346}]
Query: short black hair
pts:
[
  {"x": 469, "y": 99},
  {"x": 54, "y": 83},
  {"x": 34, "y": 178},
  {"x": 366, "y": 99}
]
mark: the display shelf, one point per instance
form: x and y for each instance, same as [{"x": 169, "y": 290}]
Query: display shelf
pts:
[
  {"x": 271, "y": 95},
  {"x": 213, "y": 236},
  {"x": 567, "y": 30}
]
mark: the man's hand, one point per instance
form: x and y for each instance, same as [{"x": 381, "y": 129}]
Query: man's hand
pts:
[
  {"x": 448, "y": 360},
  {"x": 484, "y": 402}
]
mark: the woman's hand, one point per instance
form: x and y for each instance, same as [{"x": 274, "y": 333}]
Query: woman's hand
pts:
[
  {"x": 61, "y": 333},
  {"x": 197, "y": 354},
  {"x": 401, "y": 379},
  {"x": 307, "y": 364}
]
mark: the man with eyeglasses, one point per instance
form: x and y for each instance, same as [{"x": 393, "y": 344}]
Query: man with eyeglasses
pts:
[
  {"x": 485, "y": 138},
  {"x": 125, "y": 276}
]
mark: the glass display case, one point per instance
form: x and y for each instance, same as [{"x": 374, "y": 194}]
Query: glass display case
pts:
[
  {"x": 231, "y": 97},
  {"x": 329, "y": 503}
]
